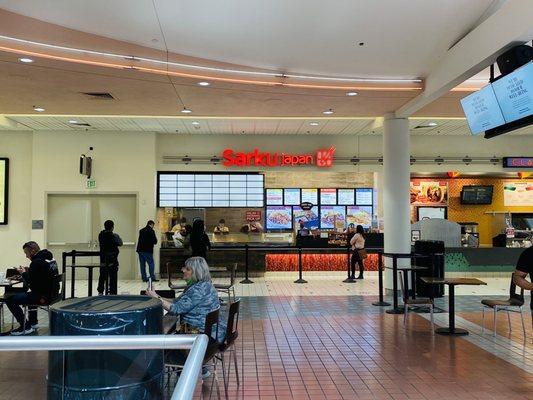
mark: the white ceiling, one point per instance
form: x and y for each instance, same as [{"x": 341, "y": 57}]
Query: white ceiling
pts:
[
  {"x": 403, "y": 39},
  {"x": 287, "y": 126}
]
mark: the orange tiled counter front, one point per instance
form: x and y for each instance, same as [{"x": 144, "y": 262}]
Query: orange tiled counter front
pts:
[{"x": 315, "y": 262}]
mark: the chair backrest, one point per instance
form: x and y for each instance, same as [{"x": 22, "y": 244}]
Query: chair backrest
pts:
[
  {"x": 166, "y": 293},
  {"x": 233, "y": 322},
  {"x": 518, "y": 299},
  {"x": 211, "y": 320},
  {"x": 58, "y": 288}
]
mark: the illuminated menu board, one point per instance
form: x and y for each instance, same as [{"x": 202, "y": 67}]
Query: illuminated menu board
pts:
[
  {"x": 278, "y": 217},
  {"x": 346, "y": 197},
  {"x": 291, "y": 197},
  {"x": 310, "y": 196},
  {"x": 359, "y": 215},
  {"x": 4, "y": 177},
  {"x": 514, "y": 93},
  {"x": 363, "y": 197},
  {"x": 332, "y": 217},
  {"x": 274, "y": 197},
  {"x": 176, "y": 189},
  {"x": 328, "y": 196}
]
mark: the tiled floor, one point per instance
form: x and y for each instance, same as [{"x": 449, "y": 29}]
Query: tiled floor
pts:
[{"x": 325, "y": 340}]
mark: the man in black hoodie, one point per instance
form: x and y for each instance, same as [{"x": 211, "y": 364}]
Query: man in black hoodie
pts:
[
  {"x": 145, "y": 249},
  {"x": 40, "y": 277},
  {"x": 109, "y": 244}
]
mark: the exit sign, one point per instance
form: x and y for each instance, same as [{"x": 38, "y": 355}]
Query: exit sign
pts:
[{"x": 90, "y": 183}]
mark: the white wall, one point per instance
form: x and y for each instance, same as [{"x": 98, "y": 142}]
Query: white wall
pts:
[{"x": 17, "y": 147}]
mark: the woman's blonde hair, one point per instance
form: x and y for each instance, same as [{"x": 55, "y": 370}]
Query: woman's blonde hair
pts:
[{"x": 199, "y": 268}]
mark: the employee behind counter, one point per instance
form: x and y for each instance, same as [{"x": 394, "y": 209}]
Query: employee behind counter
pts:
[{"x": 221, "y": 227}]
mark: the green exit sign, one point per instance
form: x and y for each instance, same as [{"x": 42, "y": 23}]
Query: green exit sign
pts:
[{"x": 90, "y": 183}]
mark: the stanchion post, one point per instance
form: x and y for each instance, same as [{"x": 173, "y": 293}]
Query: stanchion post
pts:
[
  {"x": 348, "y": 279},
  {"x": 246, "y": 280},
  {"x": 64, "y": 272},
  {"x": 300, "y": 279},
  {"x": 381, "y": 302},
  {"x": 73, "y": 274}
]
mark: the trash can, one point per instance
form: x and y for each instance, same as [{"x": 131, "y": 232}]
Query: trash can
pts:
[
  {"x": 109, "y": 374},
  {"x": 435, "y": 264}
]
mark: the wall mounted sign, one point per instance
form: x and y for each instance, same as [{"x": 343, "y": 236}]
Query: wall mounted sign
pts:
[
  {"x": 428, "y": 193},
  {"x": 517, "y": 194},
  {"x": 253, "y": 216},
  {"x": 518, "y": 162},
  {"x": 4, "y": 189},
  {"x": 323, "y": 158}
]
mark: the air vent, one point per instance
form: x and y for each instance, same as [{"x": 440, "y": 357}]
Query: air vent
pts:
[
  {"x": 99, "y": 95},
  {"x": 424, "y": 127},
  {"x": 81, "y": 124}
]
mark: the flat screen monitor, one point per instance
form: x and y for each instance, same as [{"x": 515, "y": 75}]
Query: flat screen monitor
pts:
[
  {"x": 477, "y": 194},
  {"x": 332, "y": 217},
  {"x": 431, "y": 213},
  {"x": 482, "y": 110},
  {"x": 363, "y": 196},
  {"x": 278, "y": 217},
  {"x": 291, "y": 197},
  {"x": 345, "y": 197},
  {"x": 310, "y": 217},
  {"x": 274, "y": 197},
  {"x": 514, "y": 93},
  {"x": 310, "y": 196}
]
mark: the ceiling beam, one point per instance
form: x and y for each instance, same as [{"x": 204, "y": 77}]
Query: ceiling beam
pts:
[{"x": 510, "y": 25}]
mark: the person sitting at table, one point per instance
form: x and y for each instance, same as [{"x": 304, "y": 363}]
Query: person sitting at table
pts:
[
  {"x": 221, "y": 227},
  {"x": 40, "y": 276},
  {"x": 179, "y": 225},
  {"x": 357, "y": 243},
  {"x": 199, "y": 299},
  {"x": 524, "y": 266}
]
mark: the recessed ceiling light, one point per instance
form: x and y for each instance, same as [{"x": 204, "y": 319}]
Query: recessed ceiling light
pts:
[
  {"x": 352, "y": 94},
  {"x": 328, "y": 112},
  {"x": 26, "y": 60},
  {"x": 203, "y": 83},
  {"x": 38, "y": 108},
  {"x": 72, "y": 121},
  {"x": 195, "y": 123},
  {"x": 186, "y": 110},
  {"x": 432, "y": 124},
  {"x": 313, "y": 123}
]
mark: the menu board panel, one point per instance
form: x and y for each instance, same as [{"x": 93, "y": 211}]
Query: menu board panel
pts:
[
  {"x": 429, "y": 193},
  {"x": 310, "y": 217},
  {"x": 359, "y": 215},
  {"x": 517, "y": 193},
  {"x": 210, "y": 190},
  {"x": 345, "y": 197},
  {"x": 4, "y": 176},
  {"x": 274, "y": 197},
  {"x": 278, "y": 217},
  {"x": 363, "y": 196},
  {"x": 514, "y": 93},
  {"x": 310, "y": 196},
  {"x": 332, "y": 217},
  {"x": 291, "y": 197},
  {"x": 482, "y": 110},
  {"x": 328, "y": 196}
]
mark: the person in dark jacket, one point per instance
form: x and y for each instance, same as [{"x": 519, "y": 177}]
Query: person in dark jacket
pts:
[
  {"x": 40, "y": 276},
  {"x": 199, "y": 241},
  {"x": 109, "y": 244},
  {"x": 145, "y": 250}
]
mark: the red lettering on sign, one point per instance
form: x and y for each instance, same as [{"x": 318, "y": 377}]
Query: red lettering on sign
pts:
[{"x": 324, "y": 158}]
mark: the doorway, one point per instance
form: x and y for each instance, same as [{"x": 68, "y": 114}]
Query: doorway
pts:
[{"x": 75, "y": 220}]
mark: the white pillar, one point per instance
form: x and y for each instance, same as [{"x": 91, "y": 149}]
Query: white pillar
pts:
[{"x": 396, "y": 177}]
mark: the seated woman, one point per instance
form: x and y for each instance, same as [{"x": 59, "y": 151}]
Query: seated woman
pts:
[{"x": 199, "y": 299}]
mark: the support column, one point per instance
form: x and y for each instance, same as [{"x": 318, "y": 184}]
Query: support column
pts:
[{"x": 396, "y": 178}]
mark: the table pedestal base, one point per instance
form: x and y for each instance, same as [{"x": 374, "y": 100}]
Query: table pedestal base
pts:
[
  {"x": 450, "y": 332},
  {"x": 349, "y": 280},
  {"x": 394, "y": 311},
  {"x": 300, "y": 280},
  {"x": 380, "y": 303}
]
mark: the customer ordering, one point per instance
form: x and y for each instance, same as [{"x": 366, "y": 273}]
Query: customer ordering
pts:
[{"x": 322, "y": 158}]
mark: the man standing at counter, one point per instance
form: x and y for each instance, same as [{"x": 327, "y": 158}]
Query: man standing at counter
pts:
[
  {"x": 524, "y": 266},
  {"x": 109, "y": 244},
  {"x": 145, "y": 250}
]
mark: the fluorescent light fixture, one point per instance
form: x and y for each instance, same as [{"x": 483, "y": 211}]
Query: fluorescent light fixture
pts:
[
  {"x": 432, "y": 124},
  {"x": 328, "y": 111},
  {"x": 26, "y": 60},
  {"x": 195, "y": 123},
  {"x": 186, "y": 110},
  {"x": 203, "y": 83},
  {"x": 38, "y": 108},
  {"x": 350, "y": 94},
  {"x": 72, "y": 121},
  {"x": 313, "y": 123}
]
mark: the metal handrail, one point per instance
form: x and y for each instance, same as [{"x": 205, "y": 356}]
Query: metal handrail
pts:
[{"x": 184, "y": 389}]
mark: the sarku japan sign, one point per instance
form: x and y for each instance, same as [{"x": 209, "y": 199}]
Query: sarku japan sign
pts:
[{"x": 322, "y": 158}]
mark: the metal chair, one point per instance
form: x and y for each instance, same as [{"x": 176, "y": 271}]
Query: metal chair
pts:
[
  {"x": 229, "y": 344},
  {"x": 513, "y": 304},
  {"x": 54, "y": 297},
  {"x": 228, "y": 288},
  {"x": 211, "y": 321},
  {"x": 177, "y": 287},
  {"x": 419, "y": 301}
]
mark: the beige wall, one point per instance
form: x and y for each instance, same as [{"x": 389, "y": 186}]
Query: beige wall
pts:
[{"x": 18, "y": 148}]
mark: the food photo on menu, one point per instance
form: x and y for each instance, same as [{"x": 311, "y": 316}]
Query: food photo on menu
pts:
[
  {"x": 279, "y": 217},
  {"x": 310, "y": 217},
  {"x": 428, "y": 193},
  {"x": 359, "y": 215},
  {"x": 332, "y": 217}
]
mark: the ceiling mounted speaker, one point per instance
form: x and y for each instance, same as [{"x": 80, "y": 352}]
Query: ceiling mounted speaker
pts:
[{"x": 514, "y": 58}]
